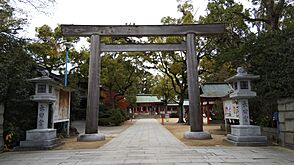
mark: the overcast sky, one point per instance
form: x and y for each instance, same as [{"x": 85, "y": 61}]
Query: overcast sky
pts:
[{"x": 108, "y": 12}]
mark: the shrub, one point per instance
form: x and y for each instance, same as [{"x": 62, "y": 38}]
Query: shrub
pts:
[
  {"x": 111, "y": 117},
  {"x": 19, "y": 116},
  {"x": 218, "y": 112}
]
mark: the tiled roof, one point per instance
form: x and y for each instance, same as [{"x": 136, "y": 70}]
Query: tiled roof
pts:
[
  {"x": 215, "y": 90},
  {"x": 145, "y": 98}
]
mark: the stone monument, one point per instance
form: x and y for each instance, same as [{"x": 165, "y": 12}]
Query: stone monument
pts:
[
  {"x": 244, "y": 133},
  {"x": 42, "y": 137}
]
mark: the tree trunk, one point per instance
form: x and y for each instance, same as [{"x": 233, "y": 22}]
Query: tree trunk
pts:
[{"x": 180, "y": 110}]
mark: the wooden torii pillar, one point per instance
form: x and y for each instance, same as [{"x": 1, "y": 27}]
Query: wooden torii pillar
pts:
[{"x": 187, "y": 30}]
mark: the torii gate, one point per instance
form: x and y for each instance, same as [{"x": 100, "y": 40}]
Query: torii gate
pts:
[{"x": 96, "y": 31}]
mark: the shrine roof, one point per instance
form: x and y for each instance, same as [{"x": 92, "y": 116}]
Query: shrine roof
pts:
[
  {"x": 215, "y": 90},
  {"x": 147, "y": 98}
]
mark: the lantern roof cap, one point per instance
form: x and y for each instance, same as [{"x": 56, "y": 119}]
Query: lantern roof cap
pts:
[
  {"x": 242, "y": 75},
  {"x": 43, "y": 79}
]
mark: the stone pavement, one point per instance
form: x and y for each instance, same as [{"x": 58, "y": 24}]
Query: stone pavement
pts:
[{"x": 147, "y": 142}]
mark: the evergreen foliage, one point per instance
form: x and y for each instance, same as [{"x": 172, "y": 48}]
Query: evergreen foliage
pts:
[
  {"x": 111, "y": 117},
  {"x": 16, "y": 66},
  {"x": 265, "y": 48}
]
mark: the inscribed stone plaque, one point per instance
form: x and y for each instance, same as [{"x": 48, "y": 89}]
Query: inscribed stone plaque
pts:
[
  {"x": 43, "y": 109},
  {"x": 243, "y": 107}
]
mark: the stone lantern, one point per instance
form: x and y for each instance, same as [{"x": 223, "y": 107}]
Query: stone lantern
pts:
[
  {"x": 244, "y": 133},
  {"x": 42, "y": 137}
]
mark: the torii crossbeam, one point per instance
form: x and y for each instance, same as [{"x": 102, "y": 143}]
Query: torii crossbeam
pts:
[{"x": 187, "y": 30}]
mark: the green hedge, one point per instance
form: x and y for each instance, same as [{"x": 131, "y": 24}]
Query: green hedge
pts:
[{"x": 111, "y": 117}]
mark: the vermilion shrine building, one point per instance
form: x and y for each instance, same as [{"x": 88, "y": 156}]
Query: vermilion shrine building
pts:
[
  {"x": 210, "y": 94},
  {"x": 148, "y": 103}
]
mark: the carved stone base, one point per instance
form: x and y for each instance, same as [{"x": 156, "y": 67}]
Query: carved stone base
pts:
[
  {"x": 246, "y": 135},
  {"x": 40, "y": 139}
]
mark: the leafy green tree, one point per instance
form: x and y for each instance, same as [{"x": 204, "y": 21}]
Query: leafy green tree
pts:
[
  {"x": 222, "y": 54},
  {"x": 269, "y": 15},
  {"x": 79, "y": 70},
  {"x": 16, "y": 67},
  {"x": 173, "y": 64},
  {"x": 213, "y": 71},
  {"x": 238, "y": 46},
  {"x": 163, "y": 88},
  {"x": 266, "y": 53},
  {"x": 146, "y": 82},
  {"x": 271, "y": 56},
  {"x": 10, "y": 25},
  {"x": 49, "y": 49},
  {"x": 120, "y": 76}
]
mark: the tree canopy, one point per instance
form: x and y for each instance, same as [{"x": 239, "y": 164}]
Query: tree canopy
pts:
[{"x": 120, "y": 76}]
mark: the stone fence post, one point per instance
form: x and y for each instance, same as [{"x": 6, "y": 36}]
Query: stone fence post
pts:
[{"x": 286, "y": 122}]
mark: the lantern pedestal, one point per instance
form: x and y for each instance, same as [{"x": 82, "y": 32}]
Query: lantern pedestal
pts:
[
  {"x": 40, "y": 139},
  {"x": 246, "y": 135}
]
